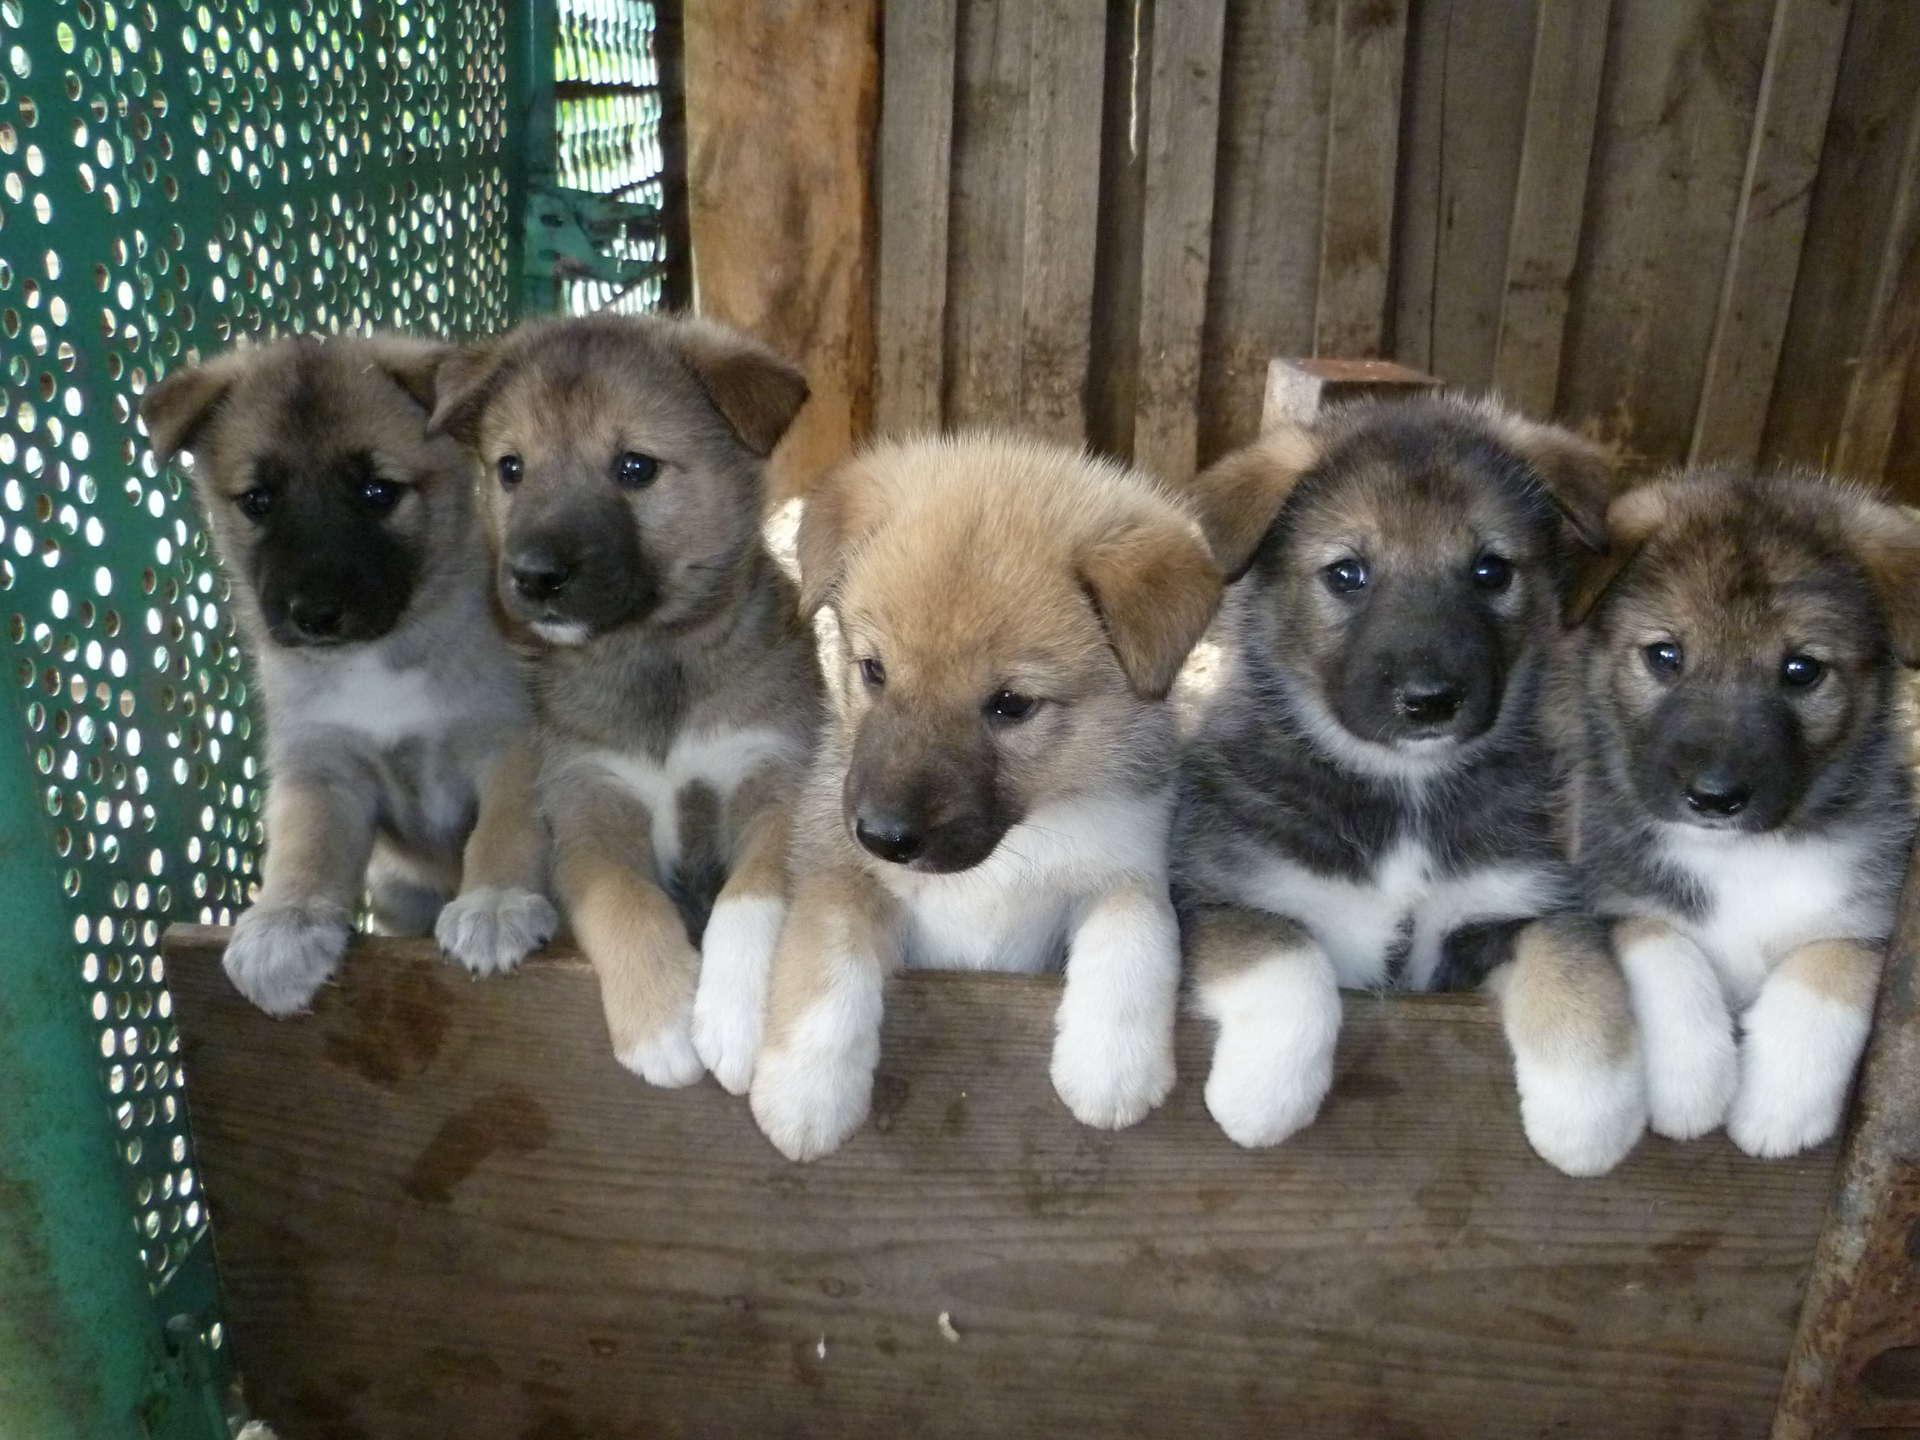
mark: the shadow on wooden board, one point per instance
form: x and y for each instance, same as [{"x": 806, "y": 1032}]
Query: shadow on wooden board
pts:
[{"x": 441, "y": 1209}]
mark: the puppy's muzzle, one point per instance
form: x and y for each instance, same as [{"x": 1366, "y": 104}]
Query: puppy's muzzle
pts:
[{"x": 926, "y": 798}]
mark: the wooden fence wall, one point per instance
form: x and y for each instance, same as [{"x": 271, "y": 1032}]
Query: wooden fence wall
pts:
[{"x": 1688, "y": 226}]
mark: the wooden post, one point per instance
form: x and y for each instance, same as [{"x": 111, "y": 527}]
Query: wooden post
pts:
[{"x": 1296, "y": 389}]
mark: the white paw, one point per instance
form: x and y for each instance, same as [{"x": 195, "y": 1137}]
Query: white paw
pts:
[
  {"x": 492, "y": 929},
  {"x": 807, "y": 1104},
  {"x": 280, "y": 956},
  {"x": 1796, "y": 1067},
  {"x": 1583, "y": 1119},
  {"x": 665, "y": 1058},
  {"x": 736, "y": 956},
  {"x": 1273, "y": 1061},
  {"x": 1111, "y": 1076},
  {"x": 1691, "y": 1078}
]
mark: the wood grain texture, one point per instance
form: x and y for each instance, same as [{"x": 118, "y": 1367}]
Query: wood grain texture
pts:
[
  {"x": 780, "y": 212},
  {"x": 1183, "y": 125},
  {"x": 1062, "y": 200},
  {"x": 442, "y": 1209},
  {"x": 1363, "y": 146},
  {"x": 1549, "y": 203},
  {"x": 1670, "y": 153},
  {"x": 1464, "y": 104},
  {"x": 915, "y": 161},
  {"x": 1264, "y": 266},
  {"x": 1796, "y": 95}
]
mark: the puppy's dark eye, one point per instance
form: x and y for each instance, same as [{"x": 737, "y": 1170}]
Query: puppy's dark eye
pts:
[
  {"x": 1493, "y": 572},
  {"x": 1663, "y": 658},
  {"x": 379, "y": 495},
  {"x": 635, "y": 470},
  {"x": 1343, "y": 577},
  {"x": 255, "y": 503},
  {"x": 510, "y": 470},
  {"x": 1010, "y": 706},
  {"x": 873, "y": 672},
  {"x": 1801, "y": 672}
]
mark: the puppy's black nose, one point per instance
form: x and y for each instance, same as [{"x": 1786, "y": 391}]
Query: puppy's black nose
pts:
[
  {"x": 538, "y": 575},
  {"x": 888, "y": 837},
  {"x": 1718, "y": 792},
  {"x": 316, "y": 616},
  {"x": 1429, "y": 702}
]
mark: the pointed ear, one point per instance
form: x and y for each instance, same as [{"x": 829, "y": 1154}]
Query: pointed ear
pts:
[
  {"x": 1577, "y": 473},
  {"x": 1630, "y": 522},
  {"x": 410, "y": 363},
  {"x": 1238, "y": 497},
  {"x": 841, "y": 507},
  {"x": 1155, "y": 587},
  {"x": 463, "y": 380},
  {"x": 757, "y": 391},
  {"x": 178, "y": 408},
  {"x": 1887, "y": 539}
]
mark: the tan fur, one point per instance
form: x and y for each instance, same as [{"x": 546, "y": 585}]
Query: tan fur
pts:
[
  {"x": 1223, "y": 941},
  {"x": 1846, "y": 972},
  {"x": 1563, "y": 999},
  {"x": 508, "y": 846},
  {"x": 840, "y": 916},
  {"x": 319, "y": 840},
  {"x": 1239, "y": 495}
]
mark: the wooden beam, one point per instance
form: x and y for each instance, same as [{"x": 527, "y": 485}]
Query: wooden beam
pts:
[
  {"x": 1549, "y": 202},
  {"x": 1065, "y": 87},
  {"x": 1363, "y": 146},
  {"x": 782, "y": 106},
  {"x": 1790, "y": 123},
  {"x": 1183, "y": 126},
  {"x": 442, "y": 1209},
  {"x": 916, "y": 162}
]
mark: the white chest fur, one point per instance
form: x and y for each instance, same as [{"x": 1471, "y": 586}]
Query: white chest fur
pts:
[
  {"x": 1768, "y": 895},
  {"x": 366, "y": 695},
  {"x": 1359, "y": 922},
  {"x": 716, "y": 759},
  {"x": 1012, "y": 911}
]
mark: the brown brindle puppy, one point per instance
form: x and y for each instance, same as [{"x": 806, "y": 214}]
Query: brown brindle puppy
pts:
[
  {"x": 396, "y": 714},
  {"x": 1743, "y": 810},
  {"x": 993, "y": 791},
  {"x": 677, "y": 687}
]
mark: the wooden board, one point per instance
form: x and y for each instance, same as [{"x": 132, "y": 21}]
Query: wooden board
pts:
[
  {"x": 780, "y": 212},
  {"x": 441, "y": 1209},
  {"x": 915, "y": 160},
  {"x": 1549, "y": 202}
]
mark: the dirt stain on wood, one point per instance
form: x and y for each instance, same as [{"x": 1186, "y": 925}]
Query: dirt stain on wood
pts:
[
  {"x": 396, "y": 1030},
  {"x": 507, "y": 1118}
]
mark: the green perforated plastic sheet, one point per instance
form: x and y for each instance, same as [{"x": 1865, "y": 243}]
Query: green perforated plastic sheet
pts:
[{"x": 176, "y": 175}]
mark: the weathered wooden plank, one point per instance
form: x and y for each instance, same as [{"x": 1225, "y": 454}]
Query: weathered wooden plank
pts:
[
  {"x": 1670, "y": 152},
  {"x": 915, "y": 168},
  {"x": 1296, "y": 389},
  {"x": 1790, "y": 124},
  {"x": 783, "y": 237},
  {"x": 1063, "y": 199},
  {"x": 1363, "y": 142},
  {"x": 988, "y": 220},
  {"x": 1270, "y": 184},
  {"x": 442, "y": 1209},
  {"x": 1465, "y": 104},
  {"x": 1850, "y": 250},
  {"x": 1550, "y": 195},
  {"x": 1879, "y": 381},
  {"x": 1114, "y": 361},
  {"x": 1183, "y": 126}
]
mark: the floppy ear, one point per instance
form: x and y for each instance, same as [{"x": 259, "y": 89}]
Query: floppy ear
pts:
[
  {"x": 178, "y": 408},
  {"x": 841, "y": 508},
  {"x": 1577, "y": 473},
  {"x": 410, "y": 363},
  {"x": 1237, "y": 498},
  {"x": 462, "y": 381},
  {"x": 1630, "y": 522},
  {"x": 757, "y": 391},
  {"x": 1888, "y": 541},
  {"x": 1155, "y": 587}
]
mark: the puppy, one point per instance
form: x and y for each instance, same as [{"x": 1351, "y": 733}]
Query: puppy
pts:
[
  {"x": 993, "y": 791},
  {"x": 396, "y": 715},
  {"x": 1369, "y": 799},
  {"x": 678, "y": 690},
  {"x": 1743, "y": 810}
]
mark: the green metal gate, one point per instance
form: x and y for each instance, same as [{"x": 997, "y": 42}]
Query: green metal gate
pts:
[{"x": 176, "y": 175}]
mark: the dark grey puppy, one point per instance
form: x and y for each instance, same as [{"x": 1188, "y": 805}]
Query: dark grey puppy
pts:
[
  {"x": 1743, "y": 808},
  {"x": 1370, "y": 799}
]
